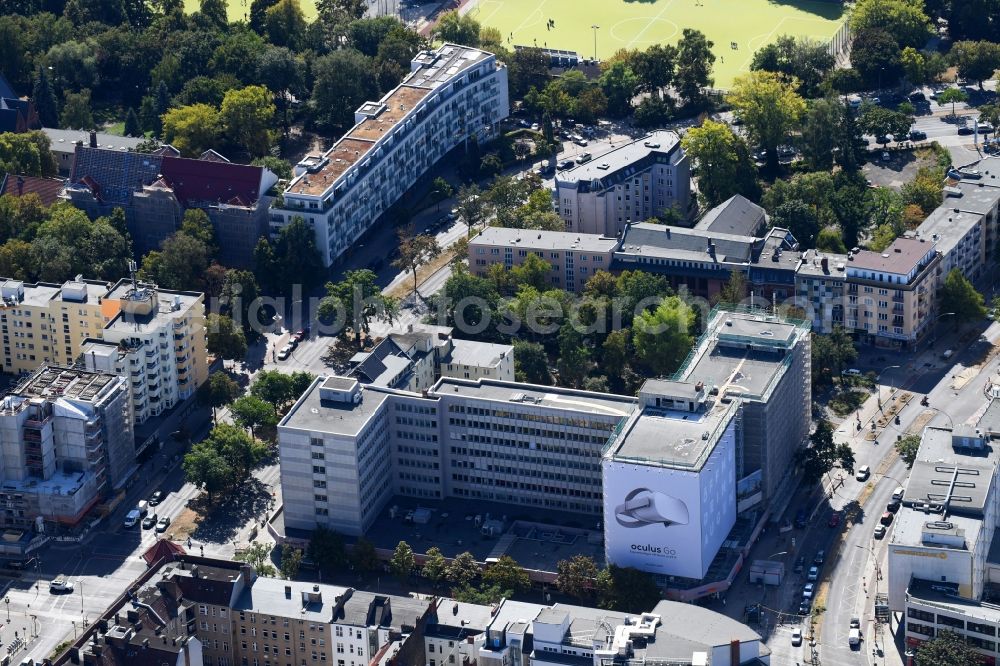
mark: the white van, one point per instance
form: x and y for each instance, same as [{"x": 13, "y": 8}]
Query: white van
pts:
[
  {"x": 143, "y": 507},
  {"x": 132, "y": 517},
  {"x": 854, "y": 638}
]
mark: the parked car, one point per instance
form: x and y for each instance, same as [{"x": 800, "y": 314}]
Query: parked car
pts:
[
  {"x": 966, "y": 129},
  {"x": 863, "y": 473},
  {"x": 796, "y": 636},
  {"x": 985, "y": 127},
  {"x": 892, "y": 507},
  {"x": 834, "y": 519},
  {"x": 132, "y": 517},
  {"x": 855, "y": 623},
  {"x": 813, "y": 573},
  {"x": 917, "y": 135},
  {"x": 162, "y": 524},
  {"x": 854, "y": 638},
  {"x": 149, "y": 522},
  {"x": 61, "y": 584},
  {"x": 300, "y": 335},
  {"x": 156, "y": 498},
  {"x": 804, "y": 608},
  {"x": 580, "y": 141},
  {"x": 886, "y": 518},
  {"x": 820, "y": 556},
  {"x": 917, "y": 96},
  {"x": 565, "y": 164},
  {"x": 584, "y": 158},
  {"x": 807, "y": 591},
  {"x": 284, "y": 352},
  {"x": 879, "y": 531},
  {"x": 897, "y": 494}
]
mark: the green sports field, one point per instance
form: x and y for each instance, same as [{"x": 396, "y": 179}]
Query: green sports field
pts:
[
  {"x": 239, "y": 10},
  {"x": 637, "y": 24}
]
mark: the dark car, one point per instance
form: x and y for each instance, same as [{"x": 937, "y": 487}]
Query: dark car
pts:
[
  {"x": 966, "y": 129},
  {"x": 156, "y": 498},
  {"x": 917, "y": 135},
  {"x": 892, "y": 506},
  {"x": 149, "y": 522},
  {"x": 917, "y": 96},
  {"x": 886, "y": 518}
]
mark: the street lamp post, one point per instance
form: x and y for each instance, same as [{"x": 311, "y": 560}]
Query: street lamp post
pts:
[
  {"x": 937, "y": 320},
  {"x": 878, "y": 384},
  {"x": 6, "y": 600},
  {"x": 595, "y": 28}
]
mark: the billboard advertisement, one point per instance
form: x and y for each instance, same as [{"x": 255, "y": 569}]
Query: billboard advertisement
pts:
[{"x": 669, "y": 521}]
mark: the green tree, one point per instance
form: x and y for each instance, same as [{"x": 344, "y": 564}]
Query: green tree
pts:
[
  {"x": 627, "y": 590},
  {"x": 215, "y": 12},
  {"x": 507, "y": 574},
  {"x": 258, "y": 556},
  {"x": 958, "y": 295},
  {"x": 273, "y": 387},
  {"x": 132, "y": 127},
  {"x": 364, "y": 556},
  {"x": 415, "y": 250},
  {"x": 43, "y": 95},
  {"x": 471, "y": 205},
  {"x": 196, "y": 224},
  {"x": 326, "y": 549},
  {"x": 246, "y": 116},
  {"x": 343, "y": 81},
  {"x": 574, "y": 357},
  {"x": 253, "y": 413},
  {"x": 206, "y": 468},
  {"x": 527, "y": 68},
  {"x": 435, "y": 566},
  {"x": 225, "y": 339},
  {"x": 27, "y": 154},
  {"x": 695, "y": 60},
  {"x": 291, "y": 560},
  {"x": 947, "y": 649},
  {"x": 722, "y": 161},
  {"x": 976, "y": 61},
  {"x": 76, "y": 111},
  {"x": 402, "y": 561},
  {"x": 619, "y": 84},
  {"x": 179, "y": 264},
  {"x": 279, "y": 167},
  {"x": 952, "y": 96},
  {"x": 218, "y": 391},
  {"x": 819, "y": 457},
  {"x": 285, "y": 24},
  {"x": 907, "y": 448},
  {"x": 914, "y": 65},
  {"x": 663, "y": 337},
  {"x": 799, "y": 218},
  {"x": 735, "y": 288},
  {"x": 292, "y": 259},
  {"x": 192, "y": 129},
  {"x": 807, "y": 60},
  {"x": 904, "y": 20},
  {"x": 821, "y": 128},
  {"x": 831, "y": 353},
  {"x": 531, "y": 363},
  {"x": 457, "y": 28},
  {"x": 770, "y": 108},
  {"x": 654, "y": 68},
  {"x": 576, "y": 576},
  {"x": 258, "y": 11},
  {"x": 462, "y": 570},
  {"x": 359, "y": 300},
  {"x": 876, "y": 57},
  {"x": 882, "y": 122},
  {"x": 924, "y": 190},
  {"x": 240, "y": 451}
]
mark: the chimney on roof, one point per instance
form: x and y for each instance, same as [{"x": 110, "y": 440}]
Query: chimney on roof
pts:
[
  {"x": 825, "y": 263},
  {"x": 93, "y": 139},
  {"x": 288, "y": 591}
]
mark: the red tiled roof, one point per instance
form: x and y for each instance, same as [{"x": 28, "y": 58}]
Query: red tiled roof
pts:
[
  {"x": 163, "y": 548},
  {"x": 47, "y": 189},
  {"x": 195, "y": 181}
]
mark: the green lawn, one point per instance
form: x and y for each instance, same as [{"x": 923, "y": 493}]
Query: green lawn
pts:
[
  {"x": 239, "y": 10},
  {"x": 639, "y": 23}
]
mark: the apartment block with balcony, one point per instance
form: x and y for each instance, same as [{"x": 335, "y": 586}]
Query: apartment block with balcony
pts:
[
  {"x": 960, "y": 237},
  {"x": 634, "y": 182},
  {"x": 574, "y": 257},
  {"x": 66, "y": 437},
  {"x": 820, "y": 287},
  {"x": 157, "y": 341},
  {"x": 891, "y": 295},
  {"x": 452, "y": 95},
  {"x": 47, "y": 323}
]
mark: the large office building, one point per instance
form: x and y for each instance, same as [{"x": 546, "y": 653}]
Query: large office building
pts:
[
  {"x": 156, "y": 340},
  {"x": 944, "y": 553},
  {"x": 155, "y": 189},
  {"x": 632, "y": 183},
  {"x": 197, "y": 611},
  {"x": 66, "y": 436},
  {"x": 453, "y": 95},
  {"x": 735, "y": 414}
]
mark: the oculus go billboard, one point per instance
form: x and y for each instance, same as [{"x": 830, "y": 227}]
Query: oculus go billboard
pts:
[{"x": 668, "y": 521}]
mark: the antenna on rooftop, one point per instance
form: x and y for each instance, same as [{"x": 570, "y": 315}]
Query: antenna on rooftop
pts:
[{"x": 131, "y": 271}]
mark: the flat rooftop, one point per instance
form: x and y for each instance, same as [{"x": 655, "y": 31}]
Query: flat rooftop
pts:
[
  {"x": 946, "y": 594},
  {"x": 440, "y": 65},
  {"x": 395, "y": 106},
  {"x": 169, "y": 305},
  {"x": 269, "y": 596},
  {"x": 338, "y": 418},
  {"x": 36, "y": 295},
  {"x": 60, "y": 483},
  {"x": 541, "y": 396},
  {"x": 57, "y": 382},
  {"x": 812, "y": 265},
  {"x": 657, "y": 240},
  {"x": 478, "y": 354},
  {"x": 544, "y": 240},
  {"x": 946, "y": 227},
  {"x": 901, "y": 257},
  {"x": 977, "y": 196},
  {"x": 673, "y": 438},
  {"x": 960, "y": 476},
  {"x": 344, "y": 154},
  {"x": 660, "y": 141},
  {"x": 737, "y": 371}
]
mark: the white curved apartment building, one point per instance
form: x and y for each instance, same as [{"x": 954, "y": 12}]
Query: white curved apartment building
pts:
[{"x": 453, "y": 94}]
